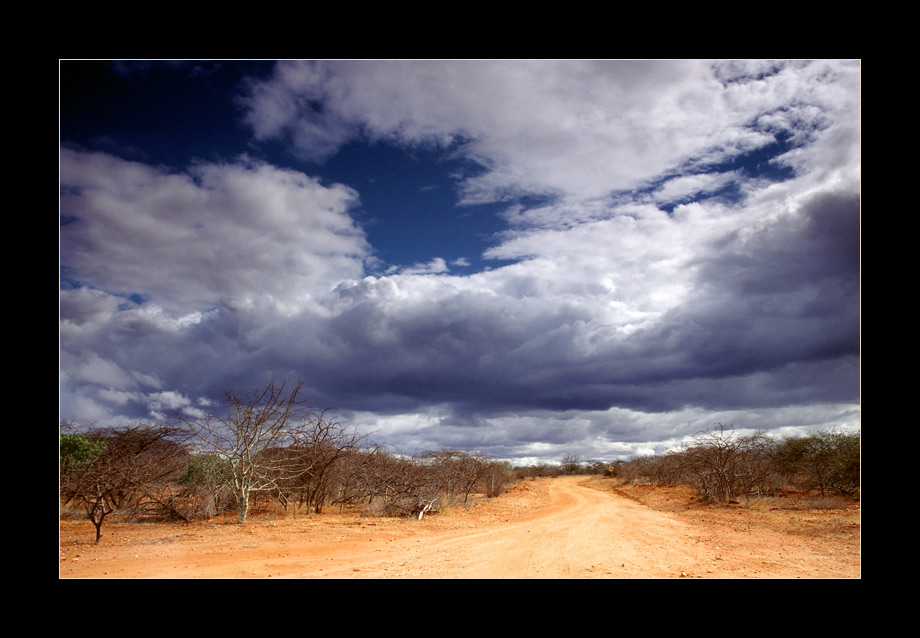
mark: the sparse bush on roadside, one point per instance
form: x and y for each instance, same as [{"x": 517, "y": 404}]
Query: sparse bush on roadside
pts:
[
  {"x": 825, "y": 461},
  {"x": 726, "y": 468},
  {"x": 642, "y": 469},
  {"x": 128, "y": 469},
  {"x": 499, "y": 476},
  {"x": 205, "y": 485},
  {"x": 116, "y": 471}
]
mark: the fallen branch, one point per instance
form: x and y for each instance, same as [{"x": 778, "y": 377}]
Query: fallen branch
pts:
[{"x": 427, "y": 507}]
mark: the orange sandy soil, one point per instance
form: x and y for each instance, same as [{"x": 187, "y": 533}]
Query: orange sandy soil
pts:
[{"x": 571, "y": 527}]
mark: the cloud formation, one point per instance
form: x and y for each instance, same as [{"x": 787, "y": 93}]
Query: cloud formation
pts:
[
  {"x": 681, "y": 245},
  {"x": 575, "y": 128},
  {"x": 218, "y": 233}
]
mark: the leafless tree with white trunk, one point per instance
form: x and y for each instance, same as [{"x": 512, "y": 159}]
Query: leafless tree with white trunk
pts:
[{"x": 268, "y": 438}]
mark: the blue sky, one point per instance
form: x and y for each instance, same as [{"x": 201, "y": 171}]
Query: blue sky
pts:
[{"x": 530, "y": 258}]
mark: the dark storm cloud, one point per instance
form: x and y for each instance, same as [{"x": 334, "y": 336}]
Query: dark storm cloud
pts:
[{"x": 789, "y": 292}]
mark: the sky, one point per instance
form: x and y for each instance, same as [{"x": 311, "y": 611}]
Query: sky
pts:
[{"x": 531, "y": 259}]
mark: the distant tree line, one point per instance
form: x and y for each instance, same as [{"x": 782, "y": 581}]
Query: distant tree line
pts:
[
  {"x": 265, "y": 448},
  {"x": 723, "y": 466},
  {"x": 570, "y": 465}
]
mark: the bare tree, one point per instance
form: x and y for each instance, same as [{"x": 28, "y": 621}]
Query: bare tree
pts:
[
  {"x": 121, "y": 469},
  {"x": 457, "y": 471},
  {"x": 263, "y": 436},
  {"x": 712, "y": 464},
  {"x": 320, "y": 449},
  {"x": 397, "y": 484},
  {"x": 350, "y": 477},
  {"x": 723, "y": 466}
]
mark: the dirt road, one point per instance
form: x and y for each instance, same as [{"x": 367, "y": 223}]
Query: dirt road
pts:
[{"x": 558, "y": 528}]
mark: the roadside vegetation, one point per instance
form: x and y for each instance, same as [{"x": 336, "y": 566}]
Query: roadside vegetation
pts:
[
  {"x": 727, "y": 468},
  {"x": 268, "y": 449},
  {"x": 272, "y": 450}
]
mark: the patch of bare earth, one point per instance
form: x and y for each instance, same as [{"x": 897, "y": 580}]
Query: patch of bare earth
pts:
[
  {"x": 572, "y": 527},
  {"x": 795, "y": 536}
]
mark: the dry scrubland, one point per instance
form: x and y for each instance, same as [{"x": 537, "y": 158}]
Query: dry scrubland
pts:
[
  {"x": 273, "y": 488},
  {"x": 565, "y": 527}
]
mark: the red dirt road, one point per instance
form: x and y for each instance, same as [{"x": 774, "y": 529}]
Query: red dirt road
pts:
[{"x": 549, "y": 528}]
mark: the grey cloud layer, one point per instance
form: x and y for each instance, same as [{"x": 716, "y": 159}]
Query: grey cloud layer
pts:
[{"x": 613, "y": 306}]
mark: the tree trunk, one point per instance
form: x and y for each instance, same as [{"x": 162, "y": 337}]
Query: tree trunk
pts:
[
  {"x": 98, "y": 525},
  {"x": 244, "y": 507},
  {"x": 96, "y": 512}
]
